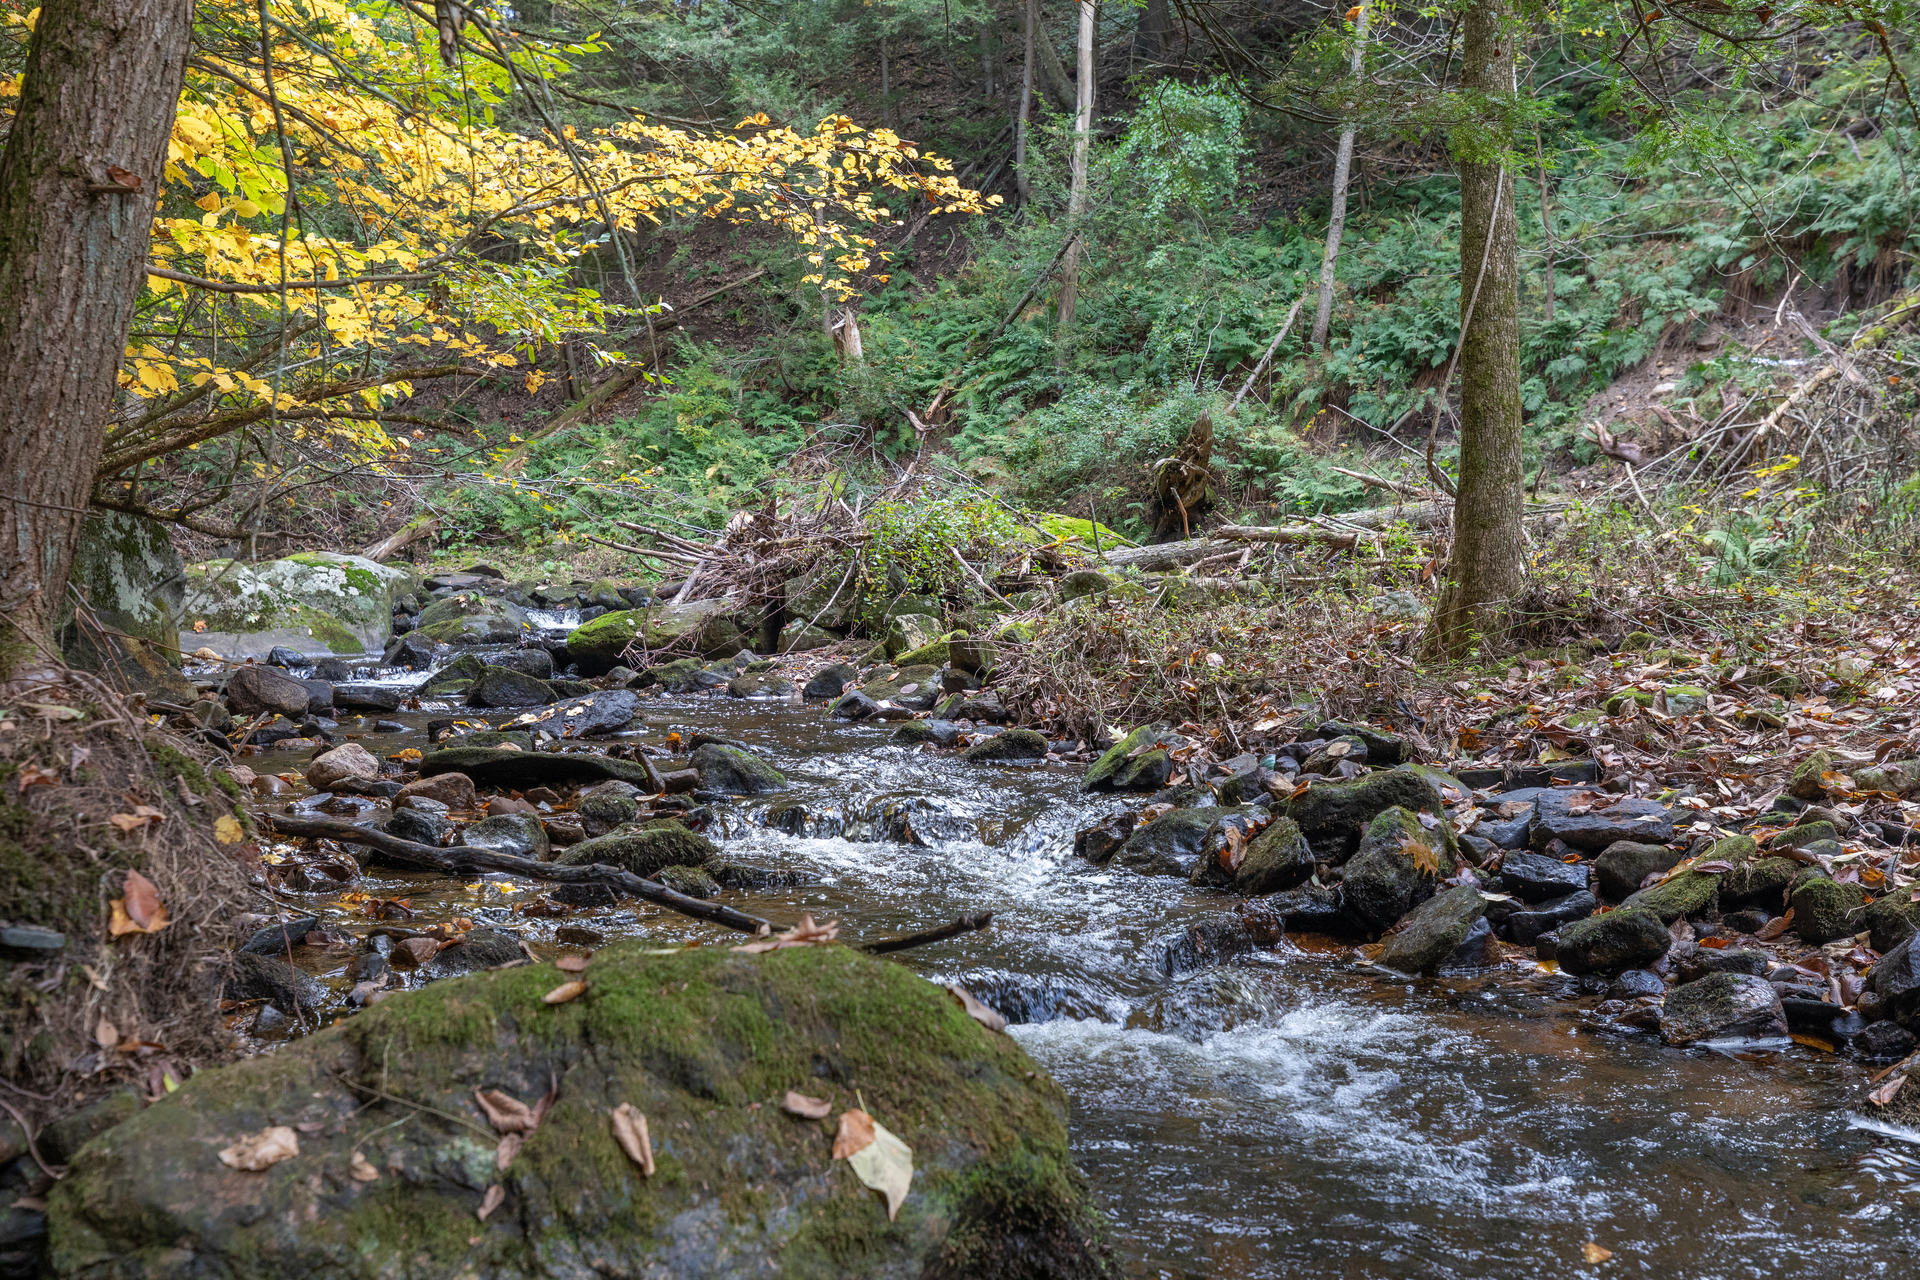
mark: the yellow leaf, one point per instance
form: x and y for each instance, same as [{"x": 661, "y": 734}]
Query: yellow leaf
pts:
[
  {"x": 227, "y": 830},
  {"x": 262, "y": 1150}
]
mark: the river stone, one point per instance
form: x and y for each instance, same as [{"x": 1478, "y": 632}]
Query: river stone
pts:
[
  {"x": 350, "y": 760},
  {"x": 854, "y": 705},
  {"x": 1383, "y": 882},
  {"x": 1534, "y": 877},
  {"x": 1333, "y": 815},
  {"x": 829, "y": 682},
  {"x": 691, "y": 1040},
  {"x": 1630, "y": 938},
  {"x": 278, "y": 939},
  {"x": 1102, "y": 775},
  {"x": 1701, "y": 961},
  {"x": 418, "y": 825},
  {"x": 695, "y": 882},
  {"x": 490, "y": 739},
  {"x": 471, "y": 618},
  {"x": 1317, "y": 909},
  {"x": 480, "y": 949},
  {"x": 686, "y": 675},
  {"x": 1203, "y": 944},
  {"x": 908, "y": 632},
  {"x": 520, "y": 834},
  {"x": 1760, "y": 881},
  {"x": 1525, "y": 927},
  {"x": 259, "y": 977},
  {"x": 505, "y": 687},
  {"x": 362, "y": 696},
  {"x": 1625, "y": 863},
  {"x": 970, "y": 653},
  {"x": 1382, "y": 748},
  {"x": 798, "y": 637},
  {"x": 253, "y": 690},
  {"x": 1169, "y": 845},
  {"x": 981, "y": 708},
  {"x": 1723, "y": 1006},
  {"x": 894, "y": 686},
  {"x": 591, "y": 715},
  {"x": 827, "y": 595},
  {"x": 1099, "y": 842},
  {"x": 127, "y": 570},
  {"x": 643, "y": 850},
  {"x": 454, "y": 790},
  {"x": 1434, "y": 930},
  {"x": 1278, "y": 858},
  {"x": 1824, "y": 911},
  {"x": 494, "y": 769},
  {"x": 760, "y": 684},
  {"x": 602, "y": 811},
  {"x": 315, "y": 602},
  {"x": 1883, "y": 1042},
  {"x": 1688, "y": 894},
  {"x": 1015, "y": 746},
  {"x": 1895, "y": 978},
  {"x": 534, "y": 662},
  {"x": 1610, "y": 819},
  {"x": 1891, "y": 922},
  {"x": 1801, "y": 835},
  {"x": 731, "y": 771},
  {"x": 455, "y": 680},
  {"x": 1896, "y": 777},
  {"x": 1809, "y": 779}
]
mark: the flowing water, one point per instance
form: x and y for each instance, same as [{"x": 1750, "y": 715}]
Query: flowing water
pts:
[{"x": 1288, "y": 1114}]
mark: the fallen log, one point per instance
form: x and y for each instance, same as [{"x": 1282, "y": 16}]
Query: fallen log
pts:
[
  {"x": 965, "y": 924},
  {"x": 463, "y": 860}
]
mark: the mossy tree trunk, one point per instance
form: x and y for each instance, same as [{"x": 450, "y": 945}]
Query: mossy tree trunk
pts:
[
  {"x": 78, "y": 182},
  {"x": 1077, "y": 190},
  {"x": 1488, "y": 561}
]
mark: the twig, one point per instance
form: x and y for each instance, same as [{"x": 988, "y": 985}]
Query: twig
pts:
[
  {"x": 1272, "y": 347},
  {"x": 54, "y": 1171},
  {"x": 656, "y": 554},
  {"x": 971, "y": 573},
  {"x": 965, "y": 924}
]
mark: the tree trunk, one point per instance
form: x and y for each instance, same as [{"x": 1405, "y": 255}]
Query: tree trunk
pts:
[
  {"x": 1022, "y": 181},
  {"x": 1342, "y": 168},
  {"x": 1488, "y": 559},
  {"x": 1077, "y": 192},
  {"x": 1059, "y": 88},
  {"x": 78, "y": 183},
  {"x": 1150, "y": 37},
  {"x": 1546, "y": 221},
  {"x": 886, "y": 87}
]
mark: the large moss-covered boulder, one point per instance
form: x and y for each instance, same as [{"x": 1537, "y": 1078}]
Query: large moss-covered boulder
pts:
[
  {"x": 316, "y": 602},
  {"x": 1278, "y": 858},
  {"x": 733, "y": 771},
  {"x": 704, "y": 1043},
  {"x": 472, "y": 618},
  {"x": 1687, "y": 894},
  {"x": 1824, "y": 911},
  {"x": 127, "y": 571},
  {"x": 1623, "y": 939},
  {"x": 1332, "y": 815},
  {"x": 706, "y": 627},
  {"x": 1398, "y": 864},
  {"x": 503, "y": 687}
]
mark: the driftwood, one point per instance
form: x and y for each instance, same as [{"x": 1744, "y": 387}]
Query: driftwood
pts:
[
  {"x": 965, "y": 924},
  {"x": 462, "y": 859},
  {"x": 1232, "y": 538},
  {"x": 406, "y": 537}
]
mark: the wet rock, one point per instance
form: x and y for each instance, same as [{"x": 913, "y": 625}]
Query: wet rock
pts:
[
  {"x": 1625, "y": 863},
  {"x": 1309, "y": 909},
  {"x": 684, "y": 675},
  {"x": 1015, "y": 746},
  {"x": 591, "y": 715},
  {"x": 1891, "y": 922},
  {"x": 1688, "y": 894},
  {"x": 705, "y": 626},
  {"x": 454, "y": 790},
  {"x": 494, "y": 768},
  {"x": 534, "y": 662},
  {"x": 1704, "y": 960},
  {"x": 61, "y": 1141},
  {"x": 279, "y": 939},
  {"x": 1433, "y": 931},
  {"x": 1169, "y": 845},
  {"x": 1635, "y": 983},
  {"x": 1506, "y": 833},
  {"x": 602, "y": 811},
  {"x": 259, "y": 977},
  {"x": 695, "y": 882},
  {"x": 1333, "y": 815},
  {"x": 418, "y": 825},
  {"x": 1525, "y": 927},
  {"x": 253, "y": 690},
  {"x": 1824, "y": 911},
  {"x": 829, "y": 682},
  {"x": 1204, "y": 944},
  {"x": 453, "y": 681},
  {"x": 349, "y": 761},
  {"x": 732, "y": 771},
  {"x": 520, "y": 834},
  {"x": 1883, "y": 1042},
  {"x": 470, "y": 618},
  {"x": 1534, "y": 877},
  {"x": 943, "y": 733},
  {"x": 1383, "y": 749},
  {"x": 1384, "y": 878},
  {"x": 1625, "y": 939},
  {"x": 1099, "y": 842},
  {"x": 504, "y": 687},
  {"x": 1591, "y": 820},
  {"x": 1276, "y": 859},
  {"x": 413, "y": 651},
  {"x": 764, "y": 684},
  {"x": 281, "y": 656},
  {"x": 1722, "y": 1006},
  {"x": 1235, "y": 827},
  {"x": 981, "y": 708},
  {"x": 643, "y": 850},
  {"x": 854, "y": 706},
  {"x": 1822, "y": 1020}
]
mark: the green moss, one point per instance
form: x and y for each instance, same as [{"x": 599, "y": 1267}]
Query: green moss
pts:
[
  {"x": 327, "y": 629},
  {"x": 183, "y": 765}
]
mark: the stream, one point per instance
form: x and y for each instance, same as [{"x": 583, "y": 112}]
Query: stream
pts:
[{"x": 1288, "y": 1114}]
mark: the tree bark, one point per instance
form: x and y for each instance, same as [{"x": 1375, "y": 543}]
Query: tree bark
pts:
[
  {"x": 1488, "y": 559},
  {"x": 1059, "y": 88},
  {"x": 1077, "y": 192},
  {"x": 78, "y": 183},
  {"x": 1022, "y": 181},
  {"x": 1342, "y": 168},
  {"x": 1150, "y": 37}
]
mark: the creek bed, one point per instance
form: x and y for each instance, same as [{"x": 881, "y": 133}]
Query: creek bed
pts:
[{"x": 1287, "y": 1114}]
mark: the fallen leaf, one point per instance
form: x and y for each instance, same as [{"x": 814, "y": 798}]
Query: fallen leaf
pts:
[
  {"x": 807, "y": 1108},
  {"x": 506, "y": 1113},
  {"x": 573, "y": 964},
  {"x": 1714, "y": 944},
  {"x": 1425, "y": 860},
  {"x": 34, "y": 776},
  {"x": 143, "y": 901},
  {"x": 131, "y": 822},
  {"x": 882, "y": 1162},
  {"x": 1774, "y": 928},
  {"x": 261, "y": 1150},
  {"x": 106, "y": 1035},
  {"x": 495, "y": 1197},
  {"x": 227, "y": 829},
  {"x": 980, "y": 1013},
  {"x": 408, "y": 755},
  {"x": 1593, "y": 1255},
  {"x": 1885, "y": 1093},
  {"x": 509, "y": 1148},
  {"x": 567, "y": 992},
  {"x": 360, "y": 1171},
  {"x": 856, "y": 1132},
  {"x": 804, "y": 934},
  {"x": 630, "y": 1131}
]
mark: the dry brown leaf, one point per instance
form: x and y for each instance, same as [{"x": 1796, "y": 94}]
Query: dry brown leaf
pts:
[
  {"x": 262, "y": 1150},
  {"x": 1774, "y": 928},
  {"x": 883, "y": 1162},
  {"x": 131, "y": 822},
  {"x": 1593, "y": 1255},
  {"x": 804, "y": 934},
  {"x": 360, "y": 1171},
  {"x": 509, "y": 1148},
  {"x": 980, "y": 1013},
  {"x": 566, "y": 992},
  {"x": 630, "y": 1131},
  {"x": 32, "y": 775},
  {"x": 143, "y": 902},
  {"x": 495, "y": 1197},
  {"x": 1425, "y": 860},
  {"x": 106, "y": 1035},
  {"x": 506, "y": 1113},
  {"x": 807, "y": 1108},
  {"x": 856, "y": 1132},
  {"x": 573, "y": 964},
  {"x": 1885, "y": 1093}
]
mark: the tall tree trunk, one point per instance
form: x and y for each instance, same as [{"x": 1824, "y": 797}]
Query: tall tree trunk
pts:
[
  {"x": 78, "y": 182},
  {"x": 1546, "y": 219},
  {"x": 989, "y": 45},
  {"x": 1059, "y": 88},
  {"x": 1150, "y": 37},
  {"x": 1022, "y": 180},
  {"x": 1488, "y": 560},
  {"x": 886, "y": 86},
  {"x": 1077, "y": 192},
  {"x": 1342, "y": 168}
]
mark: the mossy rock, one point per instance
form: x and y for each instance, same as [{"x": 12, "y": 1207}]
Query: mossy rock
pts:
[
  {"x": 1619, "y": 702},
  {"x": 1684, "y": 699},
  {"x": 935, "y": 653},
  {"x": 1332, "y": 815},
  {"x": 455, "y": 680},
  {"x": 1688, "y": 894},
  {"x": 1278, "y": 858},
  {"x": 1824, "y": 911},
  {"x": 1891, "y": 922},
  {"x": 703, "y": 1042},
  {"x": 1385, "y": 878},
  {"x": 1808, "y": 780},
  {"x": 644, "y": 849},
  {"x": 1104, "y": 773}
]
